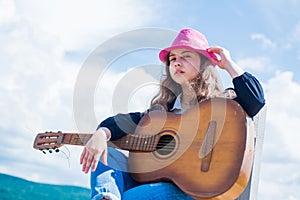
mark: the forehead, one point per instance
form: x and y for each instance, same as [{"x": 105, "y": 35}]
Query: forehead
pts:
[{"x": 181, "y": 51}]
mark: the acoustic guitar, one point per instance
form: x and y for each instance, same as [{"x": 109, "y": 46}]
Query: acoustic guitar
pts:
[{"x": 207, "y": 151}]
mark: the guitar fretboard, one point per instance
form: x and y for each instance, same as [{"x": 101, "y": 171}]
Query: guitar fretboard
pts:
[
  {"x": 76, "y": 139},
  {"x": 128, "y": 142},
  {"x": 137, "y": 142}
]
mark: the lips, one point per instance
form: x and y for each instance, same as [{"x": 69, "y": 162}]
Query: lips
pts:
[{"x": 178, "y": 71}]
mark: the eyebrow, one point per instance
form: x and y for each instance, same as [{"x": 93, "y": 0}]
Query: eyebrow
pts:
[{"x": 183, "y": 52}]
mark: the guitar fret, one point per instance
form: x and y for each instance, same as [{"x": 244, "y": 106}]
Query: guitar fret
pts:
[
  {"x": 149, "y": 143},
  {"x": 136, "y": 143},
  {"x": 145, "y": 143},
  {"x": 142, "y": 145},
  {"x": 87, "y": 138},
  {"x": 128, "y": 142},
  {"x": 152, "y": 142},
  {"x": 67, "y": 139},
  {"x": 131, "y": 143},
  {"x": 76, "y": 139}
]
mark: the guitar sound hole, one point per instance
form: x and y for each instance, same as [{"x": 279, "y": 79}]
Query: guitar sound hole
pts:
[{"x": 166, "y": 144}]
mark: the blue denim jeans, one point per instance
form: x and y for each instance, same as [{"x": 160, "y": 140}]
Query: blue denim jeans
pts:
[{"x": 114, "y": 182}]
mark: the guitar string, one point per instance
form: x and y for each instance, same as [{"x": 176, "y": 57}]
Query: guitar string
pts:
[
  {"x": 137, "y": 142},
  {"x": 163, "y": 143}
]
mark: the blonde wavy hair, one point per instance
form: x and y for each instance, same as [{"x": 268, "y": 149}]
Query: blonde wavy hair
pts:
[{"x": 206, "y": 85}]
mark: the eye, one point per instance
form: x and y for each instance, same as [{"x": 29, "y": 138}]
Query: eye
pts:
[
  {"x": 186, "y": 56},
  {"x": 172, "y": 59}
]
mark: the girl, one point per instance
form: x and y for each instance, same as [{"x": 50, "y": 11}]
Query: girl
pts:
[{"x": 190, "y": 78}]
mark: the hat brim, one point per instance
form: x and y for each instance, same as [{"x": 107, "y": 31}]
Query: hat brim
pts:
[{"x": 163, "y": 54}]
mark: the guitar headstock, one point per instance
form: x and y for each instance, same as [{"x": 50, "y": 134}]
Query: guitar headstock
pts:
[{"x": 48, "y": 141}]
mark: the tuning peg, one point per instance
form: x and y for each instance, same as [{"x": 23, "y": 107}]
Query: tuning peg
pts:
[{"x": 50, "y": 150}]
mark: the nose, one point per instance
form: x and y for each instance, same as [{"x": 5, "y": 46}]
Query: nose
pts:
[{"x": 177, "y": 62}]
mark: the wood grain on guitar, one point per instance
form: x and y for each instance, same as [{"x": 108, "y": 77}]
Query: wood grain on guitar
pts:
[{"x": 207, "y": 151}]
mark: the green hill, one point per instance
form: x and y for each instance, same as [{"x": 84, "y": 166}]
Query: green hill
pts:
[{"x": 19, "y": 189}]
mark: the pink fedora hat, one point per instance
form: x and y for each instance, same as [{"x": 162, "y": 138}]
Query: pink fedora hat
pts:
[{"x": 188, "y": 39}]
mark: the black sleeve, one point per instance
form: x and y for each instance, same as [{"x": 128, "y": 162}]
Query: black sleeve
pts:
[
  {"x": 250, "y": 94},
  {"x": 121, "y": 124}
]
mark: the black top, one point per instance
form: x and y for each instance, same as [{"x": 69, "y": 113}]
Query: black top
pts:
[{"x": 249, "y": 94}]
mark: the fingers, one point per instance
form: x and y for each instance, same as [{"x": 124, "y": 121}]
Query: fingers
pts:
[
  {"x": 216, "y": 60},
  {"x": 104, "y": 157},
  {"x": 222, "y": 52},
  {"x": 82, "y": 155},
  {"x": 94, "y": 165},
  {"x": 96, "y": 147},
  {"x": 88, "y": 159},
  {"x": 95, "y": 160},
  {"x": 85, "y": 160},
  {"x": 215, "y": 49},
  {"x": 218, "y": 53}
]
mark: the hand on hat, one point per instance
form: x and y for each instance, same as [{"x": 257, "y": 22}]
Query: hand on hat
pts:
[{"x": 225, "y": 62}]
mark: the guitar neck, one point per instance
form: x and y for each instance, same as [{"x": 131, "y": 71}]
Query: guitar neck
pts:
[
  {"x": 128, "y": 142},
  {"x": 137, "y": 142},
  {"x": 76, "y": 138}
]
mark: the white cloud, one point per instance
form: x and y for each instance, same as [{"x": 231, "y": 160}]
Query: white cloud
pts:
[
  {"x": 7, "y": 10},
  {"x": 79, "y": 24},
  {"x": 296, "y": 33},
  {"x": 281, "y": 160},
  {"x": 275, "y": 185},
  {"x": 33, "y": 75},
  {"x": 37, "y": 82},
  {"x": 265, "y": 42},
  {"x": 256, "y": 64},
  {"x": 295, "y": 39},
  {"x": 283, "y": 94}
]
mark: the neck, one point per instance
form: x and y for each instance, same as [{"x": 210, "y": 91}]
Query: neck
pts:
[{"x": 188, "y": 97}]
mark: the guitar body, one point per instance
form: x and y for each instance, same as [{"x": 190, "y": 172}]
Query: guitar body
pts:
[
  {"x": 207, "y": 151},
  {"x": 202, "y": 151}
]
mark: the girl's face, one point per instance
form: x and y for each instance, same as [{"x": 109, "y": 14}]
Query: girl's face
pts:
[{"x": 184, "y": 65}]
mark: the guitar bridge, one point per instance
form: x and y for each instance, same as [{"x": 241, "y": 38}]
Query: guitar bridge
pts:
[{"x": 208, "y": 146}]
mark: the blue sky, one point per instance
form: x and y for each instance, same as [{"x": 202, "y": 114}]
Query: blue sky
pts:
[{"x": 44, "y": 45}]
